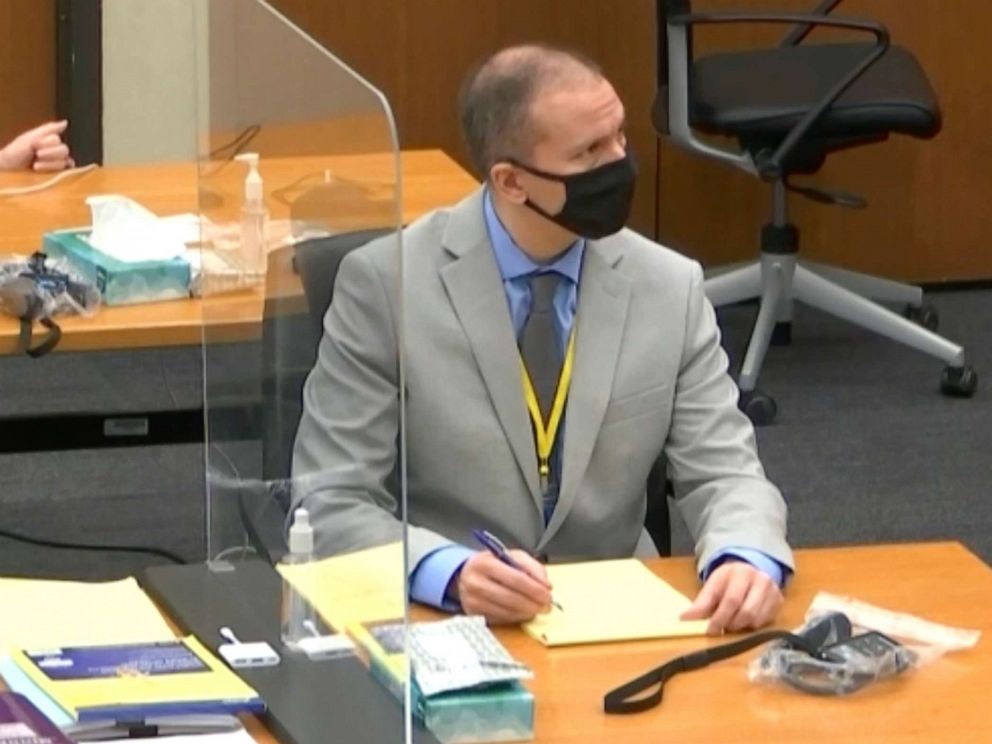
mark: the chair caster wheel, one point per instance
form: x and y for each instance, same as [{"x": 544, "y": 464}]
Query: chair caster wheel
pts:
[
  {"x": 959, "y": 382},
  {"x": 925, "y": 315},
  {"x": 782, "y": 334},
  {"x": 758, "y": 407}
]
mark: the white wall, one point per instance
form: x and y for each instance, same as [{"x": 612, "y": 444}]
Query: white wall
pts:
[
  {"x": 149, "y": 80},
  {"x": 263, "y": 71}
]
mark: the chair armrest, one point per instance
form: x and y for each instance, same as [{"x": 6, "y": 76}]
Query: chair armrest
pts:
[
  {"x": 800, "y": 32},
  {"x": 770, "y": 167}
]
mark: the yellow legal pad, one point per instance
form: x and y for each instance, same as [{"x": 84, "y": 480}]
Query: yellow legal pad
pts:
[
  {"x": 617, "y": 600},
  {"x": 38, "y": 613},
  {"x": 355, "y": 588}
]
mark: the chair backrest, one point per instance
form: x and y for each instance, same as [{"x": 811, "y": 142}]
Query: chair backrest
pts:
[
  {"x": 656, "y": 519},
  {"x": 263, "y": 505},
  {"x": 317, "y": 262},
  {"x": 663, "y": 10},
  {"x": 291, "y": 343}
]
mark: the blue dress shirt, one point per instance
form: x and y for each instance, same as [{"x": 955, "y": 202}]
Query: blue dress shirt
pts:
[{"x": 431, "y": 577}]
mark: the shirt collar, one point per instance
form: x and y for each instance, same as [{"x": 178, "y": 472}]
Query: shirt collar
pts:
[{"x": 514, "y": 263}]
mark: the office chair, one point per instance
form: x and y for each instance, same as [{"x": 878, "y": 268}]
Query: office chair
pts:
[
  {"x": 263, "y": 506},
  {"x": 788, "y": 107}
]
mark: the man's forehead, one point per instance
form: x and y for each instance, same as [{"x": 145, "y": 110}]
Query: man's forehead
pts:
[{"x": 577, "y": 107}]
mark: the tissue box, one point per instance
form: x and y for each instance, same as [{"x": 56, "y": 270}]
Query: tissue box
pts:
[
  {"x": 496, "y": 713},
  {"x": 502, "y": 712},
  {"x": 120, "y": 282}
]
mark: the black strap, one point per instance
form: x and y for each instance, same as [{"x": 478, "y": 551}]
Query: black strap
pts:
[
  {"x": 624, "y": 699},
  {"x": 49, "y": 342}
]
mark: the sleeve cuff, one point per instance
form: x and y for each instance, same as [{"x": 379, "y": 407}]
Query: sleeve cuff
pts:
[
  {"x": 430, "y": 579},
  {"x": 764, "y": 563}
]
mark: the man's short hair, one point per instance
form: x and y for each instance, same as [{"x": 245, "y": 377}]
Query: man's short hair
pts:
[{"x": 495, "y": 103}]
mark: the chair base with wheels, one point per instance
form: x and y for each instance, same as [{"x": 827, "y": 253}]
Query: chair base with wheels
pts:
[
  {"x": 789, "y": 107},
  {"x": 779, "y": 279}
]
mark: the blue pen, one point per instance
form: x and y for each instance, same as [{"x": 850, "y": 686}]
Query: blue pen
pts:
[{"x": 495, "y": 546}]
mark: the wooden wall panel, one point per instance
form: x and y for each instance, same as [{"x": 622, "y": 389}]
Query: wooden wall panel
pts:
[
  {"x": 927, "y": 218},
  {"x": 27, "y": 65},
  {"x": 418, "y": 52}
]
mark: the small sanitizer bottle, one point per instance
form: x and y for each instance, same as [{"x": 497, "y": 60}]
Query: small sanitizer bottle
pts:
[
  {"x": 253, "y": 217},
  {"x": 298, "y": 615}
]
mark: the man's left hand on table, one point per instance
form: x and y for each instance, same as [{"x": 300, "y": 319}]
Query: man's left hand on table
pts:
[{"x": 736, "y": 596}]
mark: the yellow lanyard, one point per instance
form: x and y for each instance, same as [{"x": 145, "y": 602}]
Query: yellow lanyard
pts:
[{"x": 545, "y": 434}]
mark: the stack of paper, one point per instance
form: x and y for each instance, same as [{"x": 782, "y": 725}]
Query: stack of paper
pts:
[
  {"x": 617, "y": 600},
  {"x": 54, "y": 641},
  {"x": 35, "y": 616}
]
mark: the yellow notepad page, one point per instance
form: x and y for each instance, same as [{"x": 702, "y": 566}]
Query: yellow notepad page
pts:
[
  {"x": 359, "y": 587},
  {"x": 39, "y": 613},
  {"x": 618, "y": 600}
]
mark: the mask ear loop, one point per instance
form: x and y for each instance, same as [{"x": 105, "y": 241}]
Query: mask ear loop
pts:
[
  {"x": 540, "y": 174},
  {"x": 536, "y": 171}
]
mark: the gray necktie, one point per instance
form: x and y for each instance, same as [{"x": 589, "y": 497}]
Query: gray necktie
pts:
[{"x": 538, "y": 344}]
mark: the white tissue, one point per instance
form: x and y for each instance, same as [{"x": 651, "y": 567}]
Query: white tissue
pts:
[{"x": 127, "y": 231}]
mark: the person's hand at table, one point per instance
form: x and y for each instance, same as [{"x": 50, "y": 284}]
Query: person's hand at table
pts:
[
  {"x": 503, "y": 594},
  {"x": 736, "y": 596},
  {"x": 40, "y": 149}
]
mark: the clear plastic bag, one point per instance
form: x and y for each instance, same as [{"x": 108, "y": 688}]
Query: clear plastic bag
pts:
[
  {"x": 37, "y": 288},
  {"x": 858, "y": 644}
]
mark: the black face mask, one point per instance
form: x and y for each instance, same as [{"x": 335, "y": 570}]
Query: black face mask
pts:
[{"x": 597, "y": 201}]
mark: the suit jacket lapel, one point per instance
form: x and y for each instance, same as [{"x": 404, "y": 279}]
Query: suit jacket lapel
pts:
[
  {"x": 604, "y": 296},
  {"x": 476, "y": 292}
]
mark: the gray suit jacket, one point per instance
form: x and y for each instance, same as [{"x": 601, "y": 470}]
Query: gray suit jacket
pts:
[{"x": 649, "y": 377}]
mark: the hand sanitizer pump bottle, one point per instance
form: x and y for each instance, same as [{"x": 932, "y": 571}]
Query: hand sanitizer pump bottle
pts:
[
  {"x": 253, "y": 217},
  {"x": 298, "y": 615}
]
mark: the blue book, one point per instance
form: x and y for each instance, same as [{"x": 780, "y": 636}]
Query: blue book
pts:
[{"x": 133, "y": 682}]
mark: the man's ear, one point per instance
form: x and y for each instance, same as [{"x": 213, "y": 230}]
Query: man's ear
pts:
[{"x": 505, "y": 179}]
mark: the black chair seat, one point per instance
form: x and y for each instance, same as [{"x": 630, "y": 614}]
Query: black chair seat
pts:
[
  {"x": 317, "y": 261},
  {"x": 761, "y": 94}
]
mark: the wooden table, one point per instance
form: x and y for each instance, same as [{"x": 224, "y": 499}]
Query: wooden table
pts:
[
  {"x": 943, "y": 702},
  {"x": 947, "y": 701},
  {"x": 430, "y": 180}
]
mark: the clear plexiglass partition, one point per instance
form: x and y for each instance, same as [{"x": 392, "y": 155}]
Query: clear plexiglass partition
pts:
[{"x": 298, "y": 166}]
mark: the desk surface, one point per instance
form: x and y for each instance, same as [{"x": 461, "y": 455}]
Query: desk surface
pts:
[
  {"x": 430, "y": 180},
  {"x": 941, "y": 582}
]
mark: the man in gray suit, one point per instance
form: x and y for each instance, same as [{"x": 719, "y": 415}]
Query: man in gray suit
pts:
[{"x": 629, "y": 335}]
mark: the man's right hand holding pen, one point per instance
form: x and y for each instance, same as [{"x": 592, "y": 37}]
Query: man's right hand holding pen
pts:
[{"x": 487, "y": 586}]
